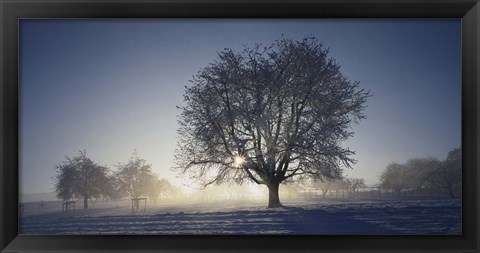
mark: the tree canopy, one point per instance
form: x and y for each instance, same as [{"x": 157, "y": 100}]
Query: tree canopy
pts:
[
  {"x": 80, "y": 177},
  {"x": 135, "y": 176},
  {"x": 423, "y": 174},
  {"x": 269, "y": 114}
]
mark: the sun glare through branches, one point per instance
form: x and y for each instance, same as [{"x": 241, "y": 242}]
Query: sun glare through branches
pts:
[{"x": 238, "y": 161}]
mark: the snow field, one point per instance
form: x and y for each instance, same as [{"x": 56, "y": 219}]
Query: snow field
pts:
[{"x": 301, "y": 216}]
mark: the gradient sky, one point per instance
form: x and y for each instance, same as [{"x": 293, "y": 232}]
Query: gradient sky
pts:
[{"x": 112, "y": 86}]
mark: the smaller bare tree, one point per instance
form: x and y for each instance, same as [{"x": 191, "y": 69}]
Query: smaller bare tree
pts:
[
  {"x": 324, "y": 185},
  {"x": 355, "y": 184},
  {"x": 418, "y": 172},
  {"x": 135, "y": 176},
  {"x": 394, "y": 177},
  {"x": 80, "y": 177}
]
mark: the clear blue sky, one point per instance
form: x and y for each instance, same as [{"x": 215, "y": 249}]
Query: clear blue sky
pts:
[{"x": 112, "y": 86}]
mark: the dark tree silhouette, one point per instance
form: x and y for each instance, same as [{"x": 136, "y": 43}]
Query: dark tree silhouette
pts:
[
  {"x": 395, "y": 177},
  {"x": 324, "y": 186},
  {"x": 80, "y": 177},
  {"x": 355, "y": 184},
  {"x": 135, "y": 176},
  {"x": 269, "y": 114},
  {"x": 418, "y": 172},
  {"x": 449, "y": 174}
]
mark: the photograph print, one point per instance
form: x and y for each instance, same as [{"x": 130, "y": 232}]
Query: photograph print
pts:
[{"x": 240, "y": 126}]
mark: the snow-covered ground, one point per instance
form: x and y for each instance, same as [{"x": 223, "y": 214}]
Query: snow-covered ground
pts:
[{"x": 300, "y": 216}]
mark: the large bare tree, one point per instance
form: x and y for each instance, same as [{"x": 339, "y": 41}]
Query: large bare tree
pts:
[{"x": 269, "y": 114}]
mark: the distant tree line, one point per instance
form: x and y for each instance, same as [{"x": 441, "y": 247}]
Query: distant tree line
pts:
[
  {"x": 81, "y": 178},
  {"x": 351, "y": 185},
  {"x": 426, "y": 174}
]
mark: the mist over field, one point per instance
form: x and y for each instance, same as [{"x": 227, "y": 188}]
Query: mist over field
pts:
[{"x": 308, "y": 215}]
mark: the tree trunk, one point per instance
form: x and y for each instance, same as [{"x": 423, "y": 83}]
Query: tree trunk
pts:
[
  {"x": 273, "y": 197},
  {"x": 85, "y": 203}
]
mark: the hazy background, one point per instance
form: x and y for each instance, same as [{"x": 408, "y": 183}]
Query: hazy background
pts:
[{"x": 112, "y": 86}]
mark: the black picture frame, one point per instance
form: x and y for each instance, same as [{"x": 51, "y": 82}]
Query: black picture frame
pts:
[{"x": 13, "y": 10}]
